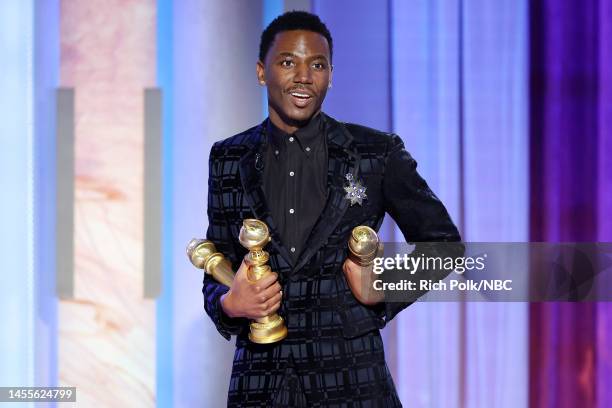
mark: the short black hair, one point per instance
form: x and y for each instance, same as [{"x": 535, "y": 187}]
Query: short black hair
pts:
[{"x": 293, "y": 20}]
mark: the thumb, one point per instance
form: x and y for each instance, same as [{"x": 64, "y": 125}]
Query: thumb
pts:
[{"x": 242, "y": 270}]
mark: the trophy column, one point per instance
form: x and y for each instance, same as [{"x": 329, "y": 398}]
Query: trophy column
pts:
[{"x": 254, "y": 236}]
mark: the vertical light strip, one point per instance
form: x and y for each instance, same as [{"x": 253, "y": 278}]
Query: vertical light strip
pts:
[
  {"x": 461, "y": 340},
  {"x": 389, "y": 231},
  {"x": 604, "y": 221},
  {"x": 206, "y": 109},
  {"x": 361, "y": 61},
  {"x": 164, "y": 333},
  {"x": 17, "y": 288},
  {"x": 46, "y": 67},
  {"x": 390, "y": 68},
  {"x": 29, "y": 207},
  {"x": 425, "y": 87},
  {"x": 495, "y": 51},
  {"x": 271, "y": 10},
  {"x": 425, "y": 114}
]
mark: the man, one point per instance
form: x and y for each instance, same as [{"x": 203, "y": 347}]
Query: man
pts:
[{"x": 291, "y": 172}]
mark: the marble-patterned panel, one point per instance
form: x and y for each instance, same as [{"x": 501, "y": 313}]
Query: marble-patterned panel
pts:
[{"x": 107, "y": 332}]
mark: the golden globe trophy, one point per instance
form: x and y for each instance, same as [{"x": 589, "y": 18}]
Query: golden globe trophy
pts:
[
  {"x": 364, "y": 246},
  {"x": 203, "y": 255},
  {"x": 254, "y": 236}
]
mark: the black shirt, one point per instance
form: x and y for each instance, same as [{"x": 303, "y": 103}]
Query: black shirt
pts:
[{"x": 295, "y": 181}]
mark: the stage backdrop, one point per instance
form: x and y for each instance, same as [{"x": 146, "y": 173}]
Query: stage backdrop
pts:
[{"x": 506, "y": 106}]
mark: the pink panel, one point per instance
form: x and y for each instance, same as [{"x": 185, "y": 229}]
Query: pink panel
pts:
[{"x": 107, "y": 332}]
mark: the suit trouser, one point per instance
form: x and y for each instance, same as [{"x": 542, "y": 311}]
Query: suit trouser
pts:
[{"x": 324, "y": 370}]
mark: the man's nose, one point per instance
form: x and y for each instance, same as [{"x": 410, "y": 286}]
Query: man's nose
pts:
[{"x": 303, "y": 74}]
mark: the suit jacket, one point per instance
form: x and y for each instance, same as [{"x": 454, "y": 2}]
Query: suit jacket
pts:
[{"x": 376, "y": 158}]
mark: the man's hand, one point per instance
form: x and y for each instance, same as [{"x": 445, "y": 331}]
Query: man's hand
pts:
[
  {"x": 360, "y": 280},
  {"x": 252, "y": 300}
]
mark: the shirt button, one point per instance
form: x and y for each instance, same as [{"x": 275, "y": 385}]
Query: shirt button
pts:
[
  {"x": 291, "y": 173},
  {"x": 276, "y": 152},
  {"x": 308, "y": 149},
  {"x": 292, "y": 249},
  {"x": 291, "y": 139},
  {"x": 291, "y": 211}
]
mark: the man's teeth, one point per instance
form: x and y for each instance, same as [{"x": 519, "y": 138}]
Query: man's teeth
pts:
[{"x": 300, "y": 95}]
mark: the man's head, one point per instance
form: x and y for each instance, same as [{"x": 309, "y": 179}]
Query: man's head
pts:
[{"x": 295, "y": 64}]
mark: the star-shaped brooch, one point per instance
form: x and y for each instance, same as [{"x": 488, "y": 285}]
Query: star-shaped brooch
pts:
[{"x": 355, "y": 191}]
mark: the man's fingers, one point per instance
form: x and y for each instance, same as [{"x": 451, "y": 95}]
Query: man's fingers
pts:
[
  {"x": 268, "y": 310},
  {"x": 267, "y": 280},
  {"x": 351, "y": 267},
  {"x": 275, "y": 298},
  {"x": 269, "y": 299},
  {"x": 270, "y": 291},
  {"x": 270, "y": 305},
  {"x": 348, "y": 267},
  {"x": 274, "y": 308}
]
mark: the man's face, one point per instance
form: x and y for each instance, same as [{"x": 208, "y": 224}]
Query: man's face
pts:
[{"x": 297, "y": 73}]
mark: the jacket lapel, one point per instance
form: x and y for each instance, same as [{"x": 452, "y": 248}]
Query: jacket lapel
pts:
[
  {"x": 342, "y": 158},
  {"x": 252, "y": 184}
]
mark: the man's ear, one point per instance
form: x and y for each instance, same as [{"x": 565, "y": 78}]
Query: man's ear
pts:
[
  {"x": 331, "y": 72},
  {"x": 261, "y": 76}
]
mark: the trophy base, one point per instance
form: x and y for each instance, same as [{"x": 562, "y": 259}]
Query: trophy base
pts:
[{"x": 267, "y": 330}]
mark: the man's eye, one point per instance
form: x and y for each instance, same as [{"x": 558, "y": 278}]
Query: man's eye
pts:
[
  {"x": 319, "y": 65},
  {"x": 286, "y": 63}
]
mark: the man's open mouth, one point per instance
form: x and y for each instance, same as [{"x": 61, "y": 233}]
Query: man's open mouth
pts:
[{"x": 300, "y": 99}]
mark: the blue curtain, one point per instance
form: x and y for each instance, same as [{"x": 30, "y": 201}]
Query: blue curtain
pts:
[{"x": 450, "y": 77}]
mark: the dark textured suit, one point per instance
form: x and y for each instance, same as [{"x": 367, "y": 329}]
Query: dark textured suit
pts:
[{"x": 333, "y": 354}]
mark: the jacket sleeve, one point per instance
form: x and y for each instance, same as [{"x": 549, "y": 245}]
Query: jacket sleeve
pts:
[
  {"x": 420, "y": 215},
  {"x": 219, "y": 233}
]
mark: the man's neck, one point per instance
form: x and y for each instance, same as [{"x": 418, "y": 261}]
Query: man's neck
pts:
[{"x": 290, "y": 127}]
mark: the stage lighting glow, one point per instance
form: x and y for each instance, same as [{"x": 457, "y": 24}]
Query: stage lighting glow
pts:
[{"x": 17, "y": 301}]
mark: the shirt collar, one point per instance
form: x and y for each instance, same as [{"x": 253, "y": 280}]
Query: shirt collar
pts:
[{"x": 308, "y": 137}]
